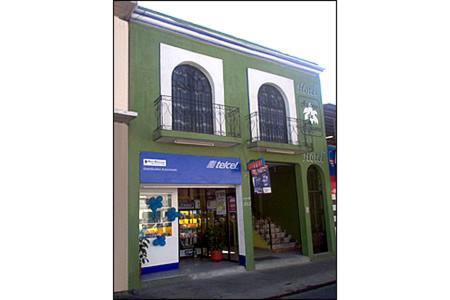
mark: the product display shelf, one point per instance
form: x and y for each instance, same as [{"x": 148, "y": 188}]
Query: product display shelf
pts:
[{"x": 189, "y": 226}]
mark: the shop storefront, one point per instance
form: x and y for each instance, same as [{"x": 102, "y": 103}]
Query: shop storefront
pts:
[{"x": 188, "y": 208}]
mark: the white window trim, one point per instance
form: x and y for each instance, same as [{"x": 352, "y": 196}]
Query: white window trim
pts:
[
  {"x": 256, "y": 79},
  {"x": 170, "y": 58}
]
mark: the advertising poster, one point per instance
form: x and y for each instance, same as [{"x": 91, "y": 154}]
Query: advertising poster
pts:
[
  {"x": 256, "y": 182},
  {"x": 186, "y": 204},
  {"x": 211, "y": 204},
  {"x": 221, "y": 204},
  {"x": 261, "y": 180},
  {"x": 152, "y": 230},
  {"x": 197, "y": 203},
  {"x": 231, "y": 204}
]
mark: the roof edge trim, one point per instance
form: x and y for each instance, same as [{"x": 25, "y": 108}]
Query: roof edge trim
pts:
[{"x": 147, "y": 17}]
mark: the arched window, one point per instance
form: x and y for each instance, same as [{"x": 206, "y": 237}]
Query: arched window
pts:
[
  {"x": 317, "y": 210},
  {"x": 272, "y": 115},
  {"x": 191, "y": 100}
]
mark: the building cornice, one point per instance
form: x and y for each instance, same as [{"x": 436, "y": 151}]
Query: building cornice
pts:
[
  {"x": 124, "y": 9},
  {"x": 124, "y": 116},
  {"x": 148, "y": 17}
]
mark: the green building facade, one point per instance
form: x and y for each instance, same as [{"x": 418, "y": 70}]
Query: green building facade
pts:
[{"x": 157, "y": 45}]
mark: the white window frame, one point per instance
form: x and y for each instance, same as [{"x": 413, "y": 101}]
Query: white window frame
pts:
[
  {"x": 285, "y": 86},
  {"x": 170, "y": 58}
]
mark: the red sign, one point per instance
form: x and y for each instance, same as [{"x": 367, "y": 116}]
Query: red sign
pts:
[
  {"x": 333, "y": 187},
  {"x": 255, "y": 164}
]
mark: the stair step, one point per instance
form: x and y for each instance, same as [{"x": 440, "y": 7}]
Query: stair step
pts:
[
  {"x": 276, "y": 235},
  {"x": 284, "y": 245},
  {"x": 275, "y": 230},
  {"x": 279, "y": 241},
  {"x": 280, "y": 250},
  {"x": 280, "y": 238}
]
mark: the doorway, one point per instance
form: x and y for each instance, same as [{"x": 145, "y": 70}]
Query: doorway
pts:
[
  {"x": 208, "y": 221},
  {"x": 276, "y": 214},
  {"x": 317, "y": 210}
]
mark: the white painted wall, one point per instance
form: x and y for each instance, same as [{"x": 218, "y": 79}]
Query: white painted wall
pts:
[
  {"x": 256, "y": 79},
  {"x": 171, "y": 57},
  {"x": 168, "y": 254}
]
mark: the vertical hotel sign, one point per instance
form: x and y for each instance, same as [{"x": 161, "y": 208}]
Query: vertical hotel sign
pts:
[{"x": 260, "y": 176}]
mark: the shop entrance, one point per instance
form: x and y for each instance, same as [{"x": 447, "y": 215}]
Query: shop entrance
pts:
[
  {"x": 208, "y": 224},
  {"x": 187, "y": 209},
  {"x": 276, "y": 215}
]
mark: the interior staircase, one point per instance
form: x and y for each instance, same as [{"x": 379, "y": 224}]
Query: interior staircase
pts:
[{"x": 275, "y": 237}]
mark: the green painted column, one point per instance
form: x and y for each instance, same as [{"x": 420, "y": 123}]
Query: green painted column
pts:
[
  {"x": 248, "y": 222},
  {"x": 303, "y": 207}
]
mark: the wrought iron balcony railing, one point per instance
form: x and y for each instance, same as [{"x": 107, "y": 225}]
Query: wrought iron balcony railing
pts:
[
  {"x": 196, "y": 115},
  {"x": 276, "y": 130}
]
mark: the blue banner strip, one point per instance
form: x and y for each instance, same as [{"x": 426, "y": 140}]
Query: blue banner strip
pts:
[
  {"x": 159, "y": 268},
  {"x": 169, "y": 168},
  {"x": 242, "y": 260}
]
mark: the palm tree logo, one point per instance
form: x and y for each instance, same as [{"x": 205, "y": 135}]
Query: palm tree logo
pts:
[{"x": 310, "y": 114}]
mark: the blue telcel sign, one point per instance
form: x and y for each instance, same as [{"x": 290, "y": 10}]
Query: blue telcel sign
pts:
[{"x": 168, "y": 168}]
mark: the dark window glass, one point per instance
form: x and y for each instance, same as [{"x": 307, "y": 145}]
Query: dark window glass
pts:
[
  {"x": 317, "y": 210},
  {"x": 272, "y": 115},
  {"x": 191, "y": 100}
]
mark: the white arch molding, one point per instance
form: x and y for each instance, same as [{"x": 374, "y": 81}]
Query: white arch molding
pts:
[
  {"x": 170, "y": 58},
  {"x": 285, "y": 86}
]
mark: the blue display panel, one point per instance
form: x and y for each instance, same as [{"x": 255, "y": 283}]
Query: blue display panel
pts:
[{"x": 168, "y": 168}]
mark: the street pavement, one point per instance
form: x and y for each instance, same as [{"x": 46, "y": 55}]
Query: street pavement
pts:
[
  {"x": 290, "y": 281},
  {"x": 324, "y": 292}
]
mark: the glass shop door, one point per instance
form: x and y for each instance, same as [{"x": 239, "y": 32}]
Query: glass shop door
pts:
[
  {"x": 207, "y": 211},
  {"x": 221, "y": 216}
]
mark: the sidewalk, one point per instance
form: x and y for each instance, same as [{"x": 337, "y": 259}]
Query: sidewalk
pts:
[{"x": 261, "y": 283}]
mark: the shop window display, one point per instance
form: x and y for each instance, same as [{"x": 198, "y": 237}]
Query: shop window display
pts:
[
  {"x": 154, "y": 222},
  {"x": 190, "y": 223}
]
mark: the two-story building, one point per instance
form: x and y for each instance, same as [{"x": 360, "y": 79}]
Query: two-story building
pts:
[{"x": 198, "y": 105}]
